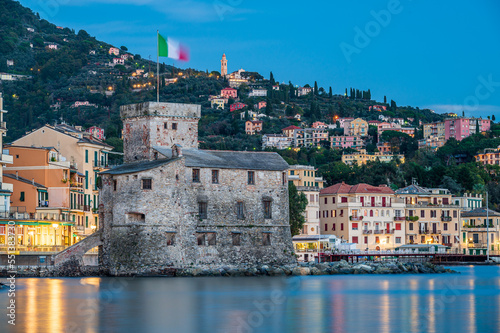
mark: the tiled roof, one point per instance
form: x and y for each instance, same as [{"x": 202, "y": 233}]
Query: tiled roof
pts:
[
  {"x": 138, "y": 166},
  {"x": 414, "y": 189},
  {"x": 22, "y": 179},
  {"x": 480, "y": 212},
  {"x": 358, "y": 188},
  {"x": 291, "y": 128}
]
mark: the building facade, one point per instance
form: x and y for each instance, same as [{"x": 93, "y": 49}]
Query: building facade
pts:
[
  {"x": 475, "y": 233},
  {"x": 223, "y": 66},
  {"x": 347, "y": 141},
  {"x": 224, "y": 208},
  {"x": 356, "y": 127},
  {"x": 431, "y": 216},
  {"x": 369, "y": 216},
  {"x": 253, "y": 127},
  {"x": 363, "y": 157}
]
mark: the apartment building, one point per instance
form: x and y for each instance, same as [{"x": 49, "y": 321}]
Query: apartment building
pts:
[
  {"x": 370, "y": 216},
  {"x": 475, "y": 232},
  {"x": 431, "y": 216}
]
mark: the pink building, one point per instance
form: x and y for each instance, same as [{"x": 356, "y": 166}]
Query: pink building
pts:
[
  {"x": 383, "y": 126},
  {"x": 118, "y": 61},
  {"x": 377, "y": 108},
  {"x": 347, "y": 141},
  {"x": 229, "y": 93},
  {"x": 114, "y": 50},
  {"x": 237, "y": 106},
  {"x": 253, "y": 126},
  {"x": 96, "y": 132},
  {"x": 460, "y": 128},
  {"x": 260, "y": 105},
  {"x": 319, "y": 124}
]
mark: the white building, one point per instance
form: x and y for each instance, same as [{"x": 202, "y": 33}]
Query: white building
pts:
[
  {"x": 279, "y": 141},
  {"x": 258, "y": 93}
]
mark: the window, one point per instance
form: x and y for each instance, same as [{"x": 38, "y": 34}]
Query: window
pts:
[
  {"x": 215, "y": 176},
  {"x": 174, "y": 126},
  {"x": 422, "y": 213},
  {"x": 283, "y": 178},
  {"x": 86, "y": 156},
  {"x": 202, "y": 210},
  {"x": 355, "y": 239},
  {"x": 170, "y": 236},
  {"x": 355, "y": 226},
  {"x": 371, "y": 212},
  {"x": 267, "y": 209},
  {"x": 341, "y": 226},
  {"x": 456, "y": 226},
  {"x": 343, "y": 199},
  {"x": 114, "y": 184},
  {"x": 377, "y": 239},
  {"x": 196, "y": 175},
  {"x": 266, "y": 239},
  {"x": 333, "y": 228},
  {"x": 398, "y": 240},
  {"x": 236, "y": 239},
  {"x": 445, "y": 226},
  {"x": 454, "y": 213},
  {"x": 366, "y": 239},
  {"x": 86, "y": 180},
  {"x": 422, "y": 239},
  {"x": 86, "y": 221},
  {"x": 201, "y": 238},
  {"x": 165, "y": 125},
  {"x": 147, "y": 184},
  {"x": 211, "y": 238},
  {"x": 333, "y": 200},
  {"x": 22, "y": 197},
  {"x": 240, "y": 210},
  {"x": 326, "y": 201},
  {"x": 326, "y": 227},
  {"x": 410, "y": 226},
  {"x": 251, "y": 178},
  {"x": 398, "y": 226}
]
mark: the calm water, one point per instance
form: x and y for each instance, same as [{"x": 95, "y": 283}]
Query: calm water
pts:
[{"x": 469, "y": 302}]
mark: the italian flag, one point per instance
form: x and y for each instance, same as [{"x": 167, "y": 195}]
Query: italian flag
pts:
[{"x": 172, "y": 49}]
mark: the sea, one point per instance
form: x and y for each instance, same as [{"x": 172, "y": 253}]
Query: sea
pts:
[{"x": 465, "y": 302}]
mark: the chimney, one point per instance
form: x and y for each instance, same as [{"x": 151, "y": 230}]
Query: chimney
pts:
[
  {"x": 33, "y": 181},
  {"x": 176, "y": 150}
]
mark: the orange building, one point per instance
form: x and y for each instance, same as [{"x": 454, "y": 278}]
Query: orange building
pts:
[{"x": 253, "y": 126}]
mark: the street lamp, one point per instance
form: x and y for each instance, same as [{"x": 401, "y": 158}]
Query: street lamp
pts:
[{"x": 55, "y": 226}]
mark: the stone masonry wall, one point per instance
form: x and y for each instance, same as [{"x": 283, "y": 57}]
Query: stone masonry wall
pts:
[{"x": 133, "y": 245}]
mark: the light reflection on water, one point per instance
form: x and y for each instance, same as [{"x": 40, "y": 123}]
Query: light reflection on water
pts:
[{"x": 469, "y": 302}]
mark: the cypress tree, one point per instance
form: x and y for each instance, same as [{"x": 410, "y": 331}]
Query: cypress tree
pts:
[
  {"x": 271, "y": 79},
  {"x": 316, "y": 88},
  {"x": 385, "y": 99},
  {"x": 493, "y": 117}
]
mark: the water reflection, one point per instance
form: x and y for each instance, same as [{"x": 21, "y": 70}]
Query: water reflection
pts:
[{"x": 387, "y": 303}]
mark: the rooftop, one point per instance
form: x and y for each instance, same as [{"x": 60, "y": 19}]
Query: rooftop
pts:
[{"x": 358, "y": 188}]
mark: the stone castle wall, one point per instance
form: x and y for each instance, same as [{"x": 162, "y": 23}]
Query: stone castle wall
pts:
[{"x": 133, "y": 245}]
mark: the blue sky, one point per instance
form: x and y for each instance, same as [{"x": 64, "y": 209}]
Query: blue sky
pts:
[{"x": 443, "y": 55}]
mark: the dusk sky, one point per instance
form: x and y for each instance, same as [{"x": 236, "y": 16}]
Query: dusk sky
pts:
[{"x": 442, "y": 55}]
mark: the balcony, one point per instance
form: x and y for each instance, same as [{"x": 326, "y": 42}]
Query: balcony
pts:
[
  {"x": 446, "y": 218},
  {"x": 366, "y": 232},
  {"x": 399, "y": 218},
  {"x": 378, "y": 232},
  {"x": 293, "y": 177},
  {"x": 77, "y": 207},
  {"x": 80, "y": 228},
  {"x": 356, "y": 218},
  {"x": 7, "y": 187},
  {"x": 6, "y": 159},
  {"x": 423, "y": 232},
  {"x": 477, "y": 245},
  {"x": 86, "y": 208}
]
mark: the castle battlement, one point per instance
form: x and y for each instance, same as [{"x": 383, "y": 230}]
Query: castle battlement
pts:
[{"x": 160, "y": 109}]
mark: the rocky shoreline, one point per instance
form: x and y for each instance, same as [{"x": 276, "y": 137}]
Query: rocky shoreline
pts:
[{"x": 335, "y": 268}]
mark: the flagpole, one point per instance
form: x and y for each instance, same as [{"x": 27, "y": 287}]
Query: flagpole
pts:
[{"x": 157, "y": 67}]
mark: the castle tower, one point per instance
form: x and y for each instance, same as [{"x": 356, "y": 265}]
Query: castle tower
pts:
[
  {"x": 223, "y": 66},
  {"x": 148, "y": 125}
]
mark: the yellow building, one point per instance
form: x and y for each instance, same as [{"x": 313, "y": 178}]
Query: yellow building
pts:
[
  {"x": 305, "y": 179},
  {"x": 490, "y": 156},
  {"x": 218, "y": 103},
  {"x": 475, "y": 234},
  {"x": 363, "y": 157},
  {"x": 87, "y": 156},
  {"x": 432, "y": 217},
  {"x": 356, "y": 127}
]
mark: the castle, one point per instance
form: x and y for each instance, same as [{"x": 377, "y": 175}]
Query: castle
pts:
[{"x": 174, "y": 205}]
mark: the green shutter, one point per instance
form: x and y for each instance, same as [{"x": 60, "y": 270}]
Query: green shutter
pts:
[
  {"x": 86, "y": 180},
  {"x": 86, "y": 156},
  {"x": 22, "y": 197},
  {"x": 86, "y": 221},
  {"x": 96, "y": 161}
]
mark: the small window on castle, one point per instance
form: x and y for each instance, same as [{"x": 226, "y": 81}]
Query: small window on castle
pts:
[
  {"x": 202, "y": 210},
  {"x": 215, "y": 176},
  {"x": 201, "y": 238},
  {"x": 266, "y": 239},
  {"x": 170, "y": 238},
  {"x": 174, "y": 126},
  {"x": 211, "y": 238},
  {"x": 165, "y": 125},
  {"x": 147, "y": 184},
  {"x": 196, "y": 175},
  {"x": 236, "y": 239},
  {"x": 240, "y": 210},
  {"x": 267, "y": 209},
  {"x": 114, "y": 184},
  {"x": 251, "y": 178}
]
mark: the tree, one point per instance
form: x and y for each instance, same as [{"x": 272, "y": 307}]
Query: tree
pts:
[
  {"x": 269, "y": 106},
  {"x": 124, "y": 48},
  {"x": 493, "y": 117},
  {"x": 393, "y": 105},
  {"x": 385, "y": 99},
  {"x": 271, "y": 79},
  {"x": 297, "y": 206},
  {"x": 316, "y": 88},
  {"x": 330, "y": 94}
]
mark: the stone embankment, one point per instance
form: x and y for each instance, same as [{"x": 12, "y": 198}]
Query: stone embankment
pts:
[{"x": 334, "y": 268}]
